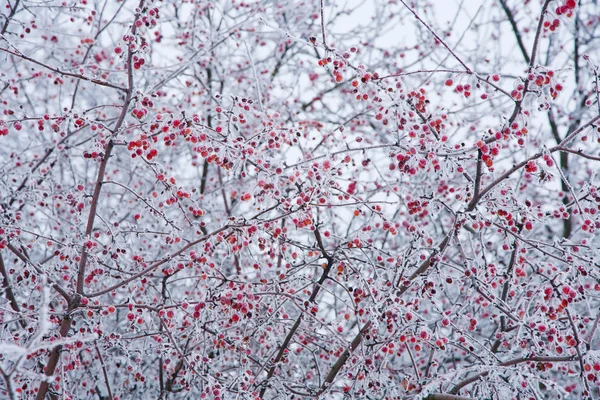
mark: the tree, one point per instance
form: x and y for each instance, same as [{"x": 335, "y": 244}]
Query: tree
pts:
[{"x": 227, "y": 199}]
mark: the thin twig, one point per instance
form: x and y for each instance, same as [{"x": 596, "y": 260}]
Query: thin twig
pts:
[
  {"x": 110, "y": 396},
  {"x": 439, "y": 39},
  {"x": 257, "y": 82},
  {"x": 515, "y": 29},
  {"x": 9, "y": 293},
  {"x": 323, "y": 26},
  {"x": 96, "y": 81}
]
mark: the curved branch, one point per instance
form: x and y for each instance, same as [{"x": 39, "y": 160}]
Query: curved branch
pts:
[{"x": 510, "y": 363}]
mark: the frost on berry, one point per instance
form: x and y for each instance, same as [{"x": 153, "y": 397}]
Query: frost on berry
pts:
[{"x": 297, "y": 200}]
